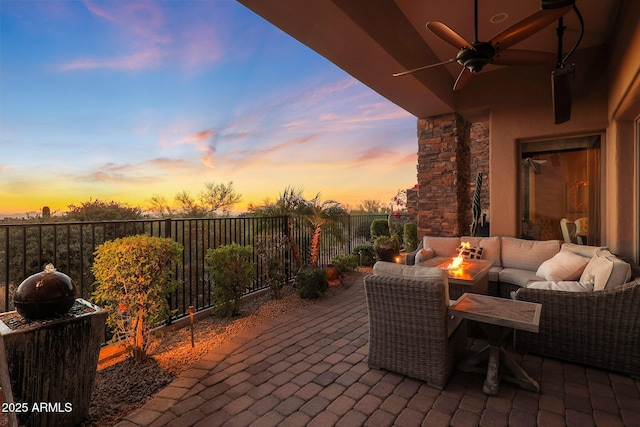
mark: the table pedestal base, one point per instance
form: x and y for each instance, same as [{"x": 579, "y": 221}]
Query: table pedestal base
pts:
[{"x": 497, "y": 358}]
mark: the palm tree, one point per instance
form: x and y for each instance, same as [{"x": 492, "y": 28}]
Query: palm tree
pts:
[
  {"x": 322, "y": 216},
  {"x": 289, "y": 203}
]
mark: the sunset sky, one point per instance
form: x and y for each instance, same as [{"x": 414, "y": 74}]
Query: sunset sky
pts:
[{"x": 123, "y": 100}]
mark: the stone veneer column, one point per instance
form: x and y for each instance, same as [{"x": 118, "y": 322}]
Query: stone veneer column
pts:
[
  {"x": 444, "y": 163},
  {"x": 479, "y": 145},
  {"x": 412, "y": 203}
]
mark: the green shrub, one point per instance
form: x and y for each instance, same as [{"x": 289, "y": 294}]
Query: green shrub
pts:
[
  {"x": 312, "y": 283},
  {"x": 133, "y": 281},
  {"x": 270, "y": 249},
  {"x": 346, "y": 262},
  {"x": 366, "y": 255},
  {"x": 410, "y": 236},
  {"x": 379, "y": 227},
  {"x": 395, "y": 227},
  {"x": 231, "y": 273}
]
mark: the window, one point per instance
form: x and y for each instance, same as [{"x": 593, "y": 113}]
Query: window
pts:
[{"x": 560, "y": 189}]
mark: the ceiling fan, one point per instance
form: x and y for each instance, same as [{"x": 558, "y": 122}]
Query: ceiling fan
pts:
[{"x": 474, "y": 56}]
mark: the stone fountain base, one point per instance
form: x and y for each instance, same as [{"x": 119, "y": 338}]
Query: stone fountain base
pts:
[{"x": 48, "y": 366}]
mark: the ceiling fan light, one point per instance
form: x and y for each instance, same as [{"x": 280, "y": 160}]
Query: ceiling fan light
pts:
[
  {"x": 555, "y": 4},
  {"x": 498, "y": 18}
]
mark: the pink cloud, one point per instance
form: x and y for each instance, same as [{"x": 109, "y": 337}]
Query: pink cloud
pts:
[
  {"x": 149, "y": 39},
  {"x": 199, "y": 46},
  {"x": 237, "y": 159},
  {"x": 144, "y": 172},
  {"x": 376, "y": 153},
  {"x": 143, "y": 18},
  {"x": 134, "y": 61},
  {"x": 202, "y": 140}
]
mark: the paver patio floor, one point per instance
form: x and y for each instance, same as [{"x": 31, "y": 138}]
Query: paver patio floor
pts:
[{"x": 309, "y": 368}]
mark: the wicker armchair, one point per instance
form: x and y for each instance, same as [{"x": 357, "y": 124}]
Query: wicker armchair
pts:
[
  {"x": 600, "y": 329},
  {"x": 408, "y": 328}
]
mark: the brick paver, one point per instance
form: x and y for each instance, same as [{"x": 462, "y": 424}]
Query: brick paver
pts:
[{"x": 309, "y": 367}]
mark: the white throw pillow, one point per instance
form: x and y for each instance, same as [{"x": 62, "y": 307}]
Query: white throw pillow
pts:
[
  {"x": 606, "y": 271},
  {"x": 423, "y": 255},
  {"x": 563, "y": 266}
]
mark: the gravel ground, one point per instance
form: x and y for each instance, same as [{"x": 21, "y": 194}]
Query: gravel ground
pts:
[{"x": 121, "y": 386}]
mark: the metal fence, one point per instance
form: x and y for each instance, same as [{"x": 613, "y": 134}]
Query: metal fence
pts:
[{"x": 26, "y": 247}]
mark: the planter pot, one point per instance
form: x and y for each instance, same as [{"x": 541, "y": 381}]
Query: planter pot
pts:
[
  {"x": 49, "y": 365},
  {"x": 333, "y": 275},
  {"x": 388, "y": 254}
]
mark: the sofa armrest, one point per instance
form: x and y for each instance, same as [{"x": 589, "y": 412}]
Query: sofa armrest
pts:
[
  {"x": 595, "y": 328},
  {"x": 411, "y": 256}
]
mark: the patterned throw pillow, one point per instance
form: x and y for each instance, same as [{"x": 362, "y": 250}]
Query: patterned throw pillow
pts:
[{"x": 474, "y": 252}]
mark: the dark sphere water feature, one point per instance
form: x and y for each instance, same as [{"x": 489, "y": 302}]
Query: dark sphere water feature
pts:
[{"x": 43, "y": 295}]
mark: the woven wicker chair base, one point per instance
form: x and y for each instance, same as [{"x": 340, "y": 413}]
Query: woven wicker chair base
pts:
[
  {"x": 599, "y": 329},
  {"x": 408, "y": 329}
]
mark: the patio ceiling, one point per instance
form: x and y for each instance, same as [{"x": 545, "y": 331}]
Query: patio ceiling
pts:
[{"x": 371, "y": 40}]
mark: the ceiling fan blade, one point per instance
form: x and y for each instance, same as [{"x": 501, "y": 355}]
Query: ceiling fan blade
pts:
[
  {"x": 527, "y": 27},
  {"x": 463, "y": 78},
  {"x": 448, "y": 35},
  {"x": 523, "y": 57},
  {"x": 404, "y": 73}
]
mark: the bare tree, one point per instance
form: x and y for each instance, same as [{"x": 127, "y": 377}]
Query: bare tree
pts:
[
  {"x": 372, "y": 206},
  {"x": 160, "y": 207},
  {"x": 217, "y": 197},
  {"x": 187, "y": 205}
]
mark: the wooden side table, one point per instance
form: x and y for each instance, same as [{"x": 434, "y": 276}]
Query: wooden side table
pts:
[{"x": 497, "y": 317}]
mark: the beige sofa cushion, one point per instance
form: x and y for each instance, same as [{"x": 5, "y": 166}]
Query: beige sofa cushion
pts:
[
  {"x": 517, "y": 276},
  {"x": 527, "y": 254},
  {"x": 490, "y": 246},
  {"x": 442, "y": 246},
  {"x": 584, "y": 250},
  {"x": 606, "y": 271},
  {"x": 565, "y": 265},
  {"x": 494, "y": 274},
  {"x": 566, "y": 286},
  {"x": 414, "y": 272}
]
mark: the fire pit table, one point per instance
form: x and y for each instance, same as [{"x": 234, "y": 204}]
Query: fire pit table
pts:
[{"x": 471, "y": 276}]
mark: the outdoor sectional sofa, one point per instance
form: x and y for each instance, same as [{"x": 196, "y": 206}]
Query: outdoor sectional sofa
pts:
[
  {"x": 598, "y": 328},
  {"x": 589, "y": 310},
  {"x": 545, "y": 264}
]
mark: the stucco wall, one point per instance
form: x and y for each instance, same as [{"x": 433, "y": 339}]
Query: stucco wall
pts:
[
  {"x": 522, "y": 110},
  {"x": 606, "y": 102}
]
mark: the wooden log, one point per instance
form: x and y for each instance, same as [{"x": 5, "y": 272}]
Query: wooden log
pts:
[{"x": 51, "y": 365}]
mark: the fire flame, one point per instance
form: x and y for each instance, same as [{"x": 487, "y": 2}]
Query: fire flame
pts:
[{"x": 456, "y": 262}]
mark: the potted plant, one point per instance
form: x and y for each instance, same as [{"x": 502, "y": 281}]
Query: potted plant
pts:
[{"x": 387, "y": 247}]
